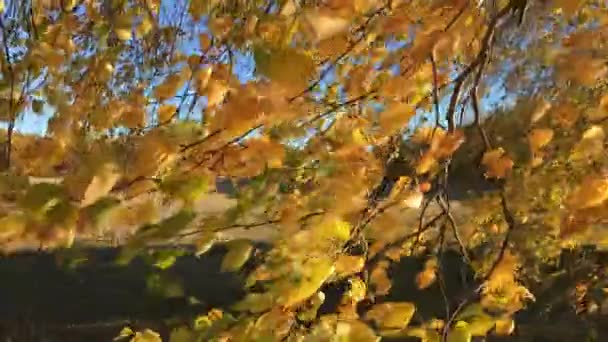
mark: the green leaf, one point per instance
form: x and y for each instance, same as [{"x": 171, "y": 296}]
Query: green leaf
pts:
[
  {"x": 167, "y": 258},
  {"x": 238, "y": 254},
  {"x": 125, "y": 332}
]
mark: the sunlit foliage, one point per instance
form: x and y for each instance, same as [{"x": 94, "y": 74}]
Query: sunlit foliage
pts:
[{"x": 352, "y": 114}]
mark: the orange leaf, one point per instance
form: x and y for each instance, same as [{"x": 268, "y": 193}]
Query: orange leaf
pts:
[
  {"x": 539, "y": 138},
  {"x": 497, "y": 163}
]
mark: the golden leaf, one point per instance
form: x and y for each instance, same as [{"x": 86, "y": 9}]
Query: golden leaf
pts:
[
  {"x": 568, "y": 7},
  {"x": 146, "y": 336},
  {"x": 216, "y": 92},
  {"x": 539, "y": 138},
  {"x": 591, "y": 144},
  {"x": 204, "y": 41},
  {"x": 426, "y": 163},
  {"x": 166, "y": 112},
  {"x": 592, "y": 192},
  {"x": 392, "y": 315},
  {"x": 413, "y": 199},
  {"x": 316, "y": 271},
  {"x": 426, "y": 135},
  {"x": 101, "y": 184},
  {"x": 168, "y": 88},
  {"x": 238, "y": 253},
  {"x": 504, "y": 326},
  {"x": 427, "y": 276},
  {"x": 379, "y": 279},
  {"x": 255, "y": 302},
  {"x": 324, "y": 25},
  {"x": 497, "y": 163},
  {"x": 12, "y": 226},
  {"x": 542, "y": 107},
  {"x": 353, "y": 330},
  {"x": 396, "y": 116},
  {"x": 446, "y": 145},
  {"x": 144, "y": 27},
  {"x": 347, "y": 265},
  {"x": 123, "y": 33}
]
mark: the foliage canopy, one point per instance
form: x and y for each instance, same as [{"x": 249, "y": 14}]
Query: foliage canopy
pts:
[{"x": 357, "y": 112}]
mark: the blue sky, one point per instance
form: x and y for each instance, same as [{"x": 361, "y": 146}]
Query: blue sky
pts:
[{"x": 244, "y": 68}]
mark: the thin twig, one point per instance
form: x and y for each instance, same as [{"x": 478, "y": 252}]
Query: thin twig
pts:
[{"x": 481, "y": 56}]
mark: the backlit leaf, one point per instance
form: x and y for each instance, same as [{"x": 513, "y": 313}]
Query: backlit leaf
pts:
[
  {"x": 392, "y": 315},
  {"x": 497, "y": 163},
  {"x": 238, "y": 253},
  {"x": 316, "y": 272}
]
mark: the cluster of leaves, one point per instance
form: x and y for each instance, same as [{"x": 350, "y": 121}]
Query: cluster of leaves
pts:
[{"x": 148, "y": 106}]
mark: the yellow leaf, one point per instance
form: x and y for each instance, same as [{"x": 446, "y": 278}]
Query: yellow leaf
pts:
[
  {"x": 238, "y": 253},
  {"x": 310, "y": 314},
  {"x": 101, "y": 184},
  {"x": 591, "y": 144},
  {"x": 413, "y": 199},
  {"x": 204, "y": 243},
  {"x": 289, "y": 67},
  {"x": 592, "y": 192},
  {"x": 324, "y": 25},
  {"x": 168, "y": 88},
  {"x": 428, "y": 275},
  {"x": 144, "y": 27},
  {"x": 426, "y": 163},
  {"x": 123, "y": 33},
  {"x": 539, "y": 138},
  {"x": 202, "y": 77},
  {"x": 425, "y": 135},
  {"x": 568, "y": 7},
  {"x": 460, "y": 333},
  {"x": 379, "y": 279},
  {"x": 166, "y": 112},
  {"x": 392, "y": 315},
  {"x": 316, "y": 271},
  {"x": 504, "y": 326},
  {"x": 332, "y": 229},
  {"x": 12, "y": 226},
  {"x": 146, "y": 336},
  {"x": 396, "y": 116},
  {"x": 355, "y": 331},
  {"x": 255, "y": 302},
  {"x": 497, "y": 164},
  {"x": 359, "y": 137},
  {"x": 446, "y": 145},
  {"x": 542, "y": 107},
  {"x": 347, "y": 265},
  {"x": 216, "y": 92},
  {"x": 204, "y": 41}
]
